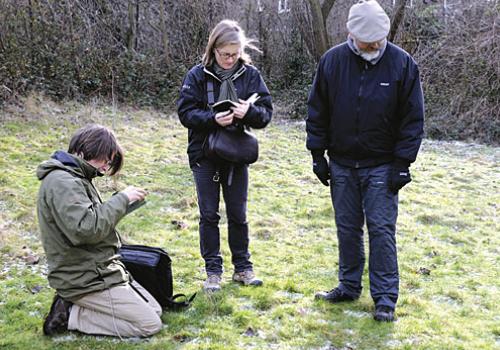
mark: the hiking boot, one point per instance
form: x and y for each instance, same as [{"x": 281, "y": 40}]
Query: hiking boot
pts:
[
  {"x": 57, "y": 319},
  {"x": 212, "y": 283},
  {"x": 334, "y": 296},
  {"x": 247, "y": 278},
  {"x": 384, "y": 314}
]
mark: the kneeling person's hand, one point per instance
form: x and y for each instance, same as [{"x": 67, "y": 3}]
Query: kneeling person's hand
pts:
[{"x": 135, "y": 193}]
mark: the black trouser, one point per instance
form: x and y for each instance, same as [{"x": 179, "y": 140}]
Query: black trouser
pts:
[
  {"x": 360, "y": 194},
  {"x": 235, "y": 198}
]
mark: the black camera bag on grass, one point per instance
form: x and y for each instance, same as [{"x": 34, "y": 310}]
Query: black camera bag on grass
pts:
[{"x": 151, "y": 267}]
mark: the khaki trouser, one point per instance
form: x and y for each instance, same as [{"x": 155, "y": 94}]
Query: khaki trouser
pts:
[{"x": 117, "y": 311}]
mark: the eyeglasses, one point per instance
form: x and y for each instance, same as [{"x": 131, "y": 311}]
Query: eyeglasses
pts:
[
  {"x": 108, "y": 162},
  {"x": 227, "y": 55},
  {"x": 372, "y": 45}
]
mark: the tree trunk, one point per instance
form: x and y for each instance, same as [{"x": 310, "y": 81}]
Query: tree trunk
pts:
[
  {"x": 164, "y": 33},
  {"x": 319, "y": 34},
  {"x": 74, "y": 50},
  {"x": 326, "y": 8},
  {"x": 263, "y": 39},
  {"x": 136, "y": 41},
  {"x": 31, "y": 32},
  {"x": 397, "y": 19},
  {"x": 130, "y": 35}
]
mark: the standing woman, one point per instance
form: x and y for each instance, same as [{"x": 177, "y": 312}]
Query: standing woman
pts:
[{"x": 227, "y": 66}]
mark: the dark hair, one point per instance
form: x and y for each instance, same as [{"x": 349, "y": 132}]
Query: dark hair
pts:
[{"x": 97, "y": 142}]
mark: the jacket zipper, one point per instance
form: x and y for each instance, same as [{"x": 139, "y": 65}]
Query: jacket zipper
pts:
[{"x": 358, "y": 108}]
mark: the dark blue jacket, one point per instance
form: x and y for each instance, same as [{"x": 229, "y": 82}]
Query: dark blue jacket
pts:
[
  {"x": 363, "y": 114},
  {"x": 195, "y": 114}
]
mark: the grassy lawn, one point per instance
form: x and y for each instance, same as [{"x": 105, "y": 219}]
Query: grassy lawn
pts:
[{"x": 448, "y": 242}]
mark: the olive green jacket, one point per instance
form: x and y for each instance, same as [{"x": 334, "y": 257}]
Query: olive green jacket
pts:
[{"x": 77, "y": 229}]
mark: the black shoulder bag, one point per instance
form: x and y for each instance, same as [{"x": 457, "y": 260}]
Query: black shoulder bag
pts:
[{"x": 233, "y": 143}]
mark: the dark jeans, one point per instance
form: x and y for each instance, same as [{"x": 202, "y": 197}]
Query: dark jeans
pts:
[
  {"x": 360, "y": 194},
  {"x": 235, "y": 197}
]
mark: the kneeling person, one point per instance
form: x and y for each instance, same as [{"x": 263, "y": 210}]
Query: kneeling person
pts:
[{"x": 95, "y": 293}]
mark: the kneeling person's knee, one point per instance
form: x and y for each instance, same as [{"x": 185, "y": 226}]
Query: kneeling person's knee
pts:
[{"x": 150, "y": 325}]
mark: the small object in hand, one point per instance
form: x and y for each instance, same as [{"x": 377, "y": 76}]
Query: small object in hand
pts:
[
  {"x": 134, "y": 205},
  {"x": 223, "y": 106}
]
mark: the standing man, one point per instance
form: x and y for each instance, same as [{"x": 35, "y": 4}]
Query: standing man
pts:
[{"x": 366, "y": 110}]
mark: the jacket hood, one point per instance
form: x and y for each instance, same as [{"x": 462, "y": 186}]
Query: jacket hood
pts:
[{"x": 61, "y": 160}]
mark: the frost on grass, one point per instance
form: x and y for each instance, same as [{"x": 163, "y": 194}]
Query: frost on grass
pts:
[
  {"x": 448, "y": 219},
  {"x": 443, "y": 299},
  {"x": 356, "y": 314},
  {"x": 398, "y": 344},
  {"x": 65, "y": 338},
  {"x": 289, "y": 295}
]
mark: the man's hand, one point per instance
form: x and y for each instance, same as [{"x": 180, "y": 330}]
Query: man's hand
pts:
[
  {"x": 320, "y": 167},
  {"x": 399, "y": 176},
  {"x": 135, "y": 193}
]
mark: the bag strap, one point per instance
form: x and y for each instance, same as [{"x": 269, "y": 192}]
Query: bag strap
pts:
[
  {"x": 179, "y": 305},
  {"x": 171, "y": 303},
  {"x": 211, "y": 100},
  {"x": 230, "y": 174},
  {"x": 138, "y": 292},
  {"x": 210, "y": 91}
]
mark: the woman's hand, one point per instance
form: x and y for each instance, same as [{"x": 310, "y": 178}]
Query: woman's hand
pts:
[
  {"x": 224, "y": 118},
  {"x": 135, "y": 193},
  {"x": 241, "y": 109}
]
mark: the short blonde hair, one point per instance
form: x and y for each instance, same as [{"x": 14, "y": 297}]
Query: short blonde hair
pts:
[{"x": 227, "y": 32}]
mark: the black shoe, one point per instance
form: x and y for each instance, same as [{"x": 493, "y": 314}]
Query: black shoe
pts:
[
  {"x": 57, "y": 319},
  {"x": 384, "y": 314},
  {"x": 334, "y": 296}
]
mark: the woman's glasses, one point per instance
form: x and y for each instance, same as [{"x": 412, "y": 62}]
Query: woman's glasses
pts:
[{"x": 227, "y": 55}]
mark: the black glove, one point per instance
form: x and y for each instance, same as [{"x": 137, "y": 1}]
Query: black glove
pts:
[
  {"x": 400, "y": 175},
  {"x": 320, "y": 167}
]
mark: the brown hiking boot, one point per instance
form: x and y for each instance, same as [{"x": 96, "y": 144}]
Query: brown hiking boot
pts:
[
  {"x": 247, "y": 278},
  {"x": 58, "y": 317},
  {"x": 212, "y": 283}
]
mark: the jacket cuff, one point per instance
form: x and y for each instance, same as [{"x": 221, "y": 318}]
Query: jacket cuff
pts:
[
  {"x": 251, "y": 116},
  {"x": 317, "y": 153},
  {"x": 401, "y": 163}
]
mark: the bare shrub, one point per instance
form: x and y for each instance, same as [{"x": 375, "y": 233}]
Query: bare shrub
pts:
[{"x": 137, "y": 51}]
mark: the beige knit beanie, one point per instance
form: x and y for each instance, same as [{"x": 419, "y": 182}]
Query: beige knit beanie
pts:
[{"x": 368, "y": 21}]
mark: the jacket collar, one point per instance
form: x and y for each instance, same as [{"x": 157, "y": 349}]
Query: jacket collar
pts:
[
  {"x": 77, "y": 163},
  {"x": 236, "y": 75},
  {"x": 355, "y": 50}
]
